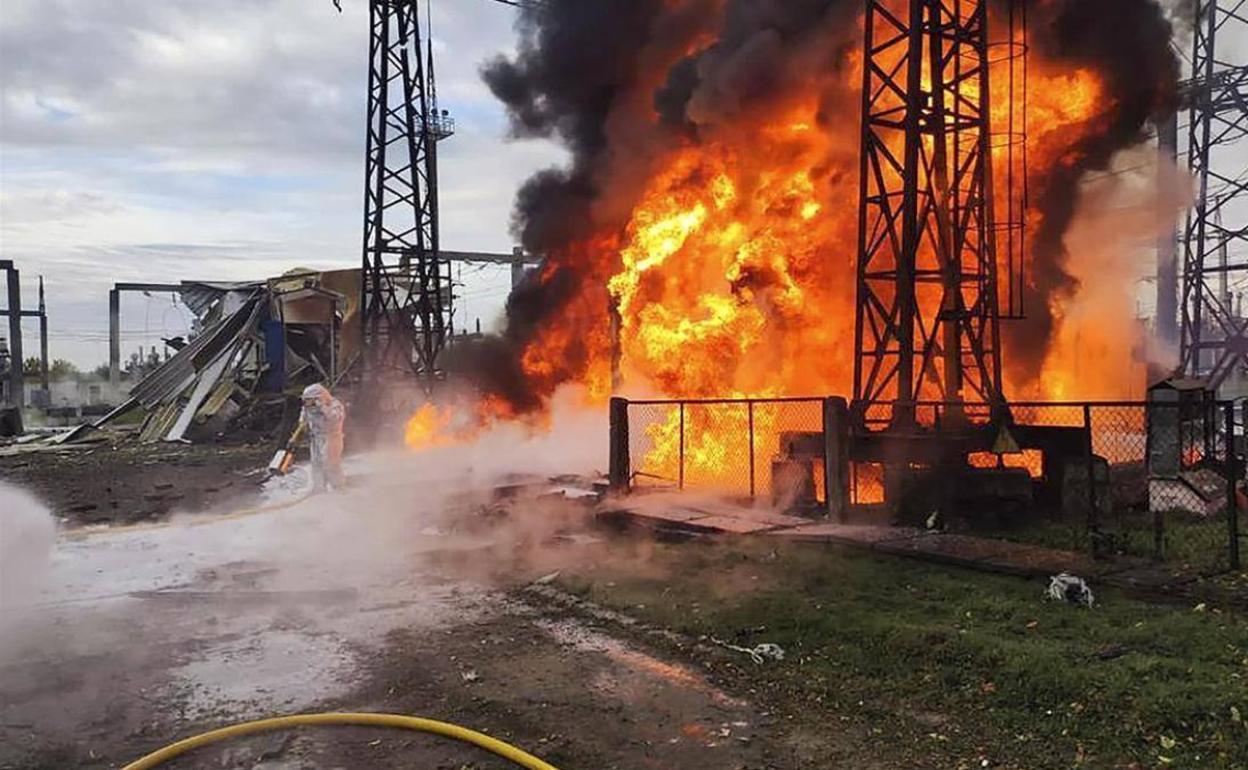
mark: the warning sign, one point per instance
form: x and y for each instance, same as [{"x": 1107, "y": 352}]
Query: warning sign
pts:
[{"x": 1005, "y": 443}]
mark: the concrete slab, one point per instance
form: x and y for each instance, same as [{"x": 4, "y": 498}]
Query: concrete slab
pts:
[
  {"x": 714, "y": 516},
  {"x": 705, "y": 513},
  {"x": 763, "y": 516},
  {"x": 982, "y": 553},
  {"x": 941, "y": 546},
  {"x": 777, "y": 519},
  {"x": 657, "y": 513},
  {"x": 850, "y": 534},
  {"x": 1023, "y": 559},
  {"x": 733, "y": 525}
]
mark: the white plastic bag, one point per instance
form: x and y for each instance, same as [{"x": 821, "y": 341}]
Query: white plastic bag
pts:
[{"x": 1069, "y": 588}]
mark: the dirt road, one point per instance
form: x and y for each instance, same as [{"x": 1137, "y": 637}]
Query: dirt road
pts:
[{"x": 373, "y": 600}]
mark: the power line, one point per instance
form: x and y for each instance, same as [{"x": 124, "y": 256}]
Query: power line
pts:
[{"x": 529, "y": 5}]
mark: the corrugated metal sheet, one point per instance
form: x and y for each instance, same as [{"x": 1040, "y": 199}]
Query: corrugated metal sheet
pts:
[
  {"x": 204, "y": 385},
  {"x": 176, "y": 374},
  {"x": 159, "y": 422},
  {"x": 200, "y": 296},
  {"x": 217, "y": 398},
  {"x": 224, "y": 363}
]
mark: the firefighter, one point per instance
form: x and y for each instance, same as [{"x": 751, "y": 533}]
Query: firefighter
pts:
[{"x": 324, "y": 416}]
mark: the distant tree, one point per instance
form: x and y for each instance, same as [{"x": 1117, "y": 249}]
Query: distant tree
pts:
[
  {"x": 103, "y": 371},
  {"x": 62, "y": 369}
]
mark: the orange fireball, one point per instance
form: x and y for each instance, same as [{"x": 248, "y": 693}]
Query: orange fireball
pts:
[{"x": 429, "y": 427}]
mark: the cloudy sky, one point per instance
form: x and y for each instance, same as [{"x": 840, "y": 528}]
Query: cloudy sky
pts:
[
  {"x": 161, "y": 141},
  {"x": 182, "y": 139}
]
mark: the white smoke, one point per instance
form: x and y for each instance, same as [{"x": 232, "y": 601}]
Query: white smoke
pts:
[
  {"x": 1101, "y": 346},
  {"x": 403, "y": 505},
  {"x": 27, "y": 534}
]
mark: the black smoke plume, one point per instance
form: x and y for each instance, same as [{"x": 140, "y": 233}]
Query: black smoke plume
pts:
[
  {"x": 586, "y": 70},
  {"x": 1127, "y": 42}
]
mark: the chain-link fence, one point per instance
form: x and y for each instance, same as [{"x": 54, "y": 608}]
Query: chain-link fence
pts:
[
  {"x": 1168, "y": 483},
  {"x": 1050, "y": 443},
  {"x": 1159, "y": 480},
  {"x": 769, "y": 448}
]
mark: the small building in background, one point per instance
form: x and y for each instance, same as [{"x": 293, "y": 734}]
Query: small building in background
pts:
[{"x": 72, "y": 398}]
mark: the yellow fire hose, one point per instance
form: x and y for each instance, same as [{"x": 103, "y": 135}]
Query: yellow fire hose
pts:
[
  {"x": 454, "y": 732},
  {"x": 82, "y": 533}
]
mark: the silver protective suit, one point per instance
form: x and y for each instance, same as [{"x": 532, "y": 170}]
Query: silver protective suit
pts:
[{"x": 324, "y": 415}]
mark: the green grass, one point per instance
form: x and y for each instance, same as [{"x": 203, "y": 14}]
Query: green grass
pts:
[
  {"x": 1191, "y": 546},
  {"x": 1041, "y": 531},
  {"x": 1202, "y": 546},
  {"x": 946, "y": 668}
]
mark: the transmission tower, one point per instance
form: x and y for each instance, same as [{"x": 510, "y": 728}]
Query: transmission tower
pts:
[
  {"x": 406, "y": 302},
  {"x": 1214, "y": 335},
  {"x": 928, "y": 306}
]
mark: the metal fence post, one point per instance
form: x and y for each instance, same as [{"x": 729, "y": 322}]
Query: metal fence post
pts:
[
  {"x": 680, "y": 483},
  {"x": 618, "y": 461},
  {"x": 1151, "y": 409},
  {"x": 1093, "y": 525},
  {"x": 750, "y": 407},
  {"x": 1233, "y": 467},
  {"x": 836, "y": 470},
  {"x": 1159, "y": 511}
]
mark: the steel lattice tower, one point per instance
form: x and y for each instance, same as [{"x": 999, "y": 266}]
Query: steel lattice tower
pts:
[
  {"x": 927, "y": 313},
  {"x": 1214, "y": 335},
  {"x": 406, "y": 302}
]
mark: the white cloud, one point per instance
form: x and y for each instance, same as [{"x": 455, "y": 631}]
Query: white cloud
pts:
[{"x": 182, "y": 139}]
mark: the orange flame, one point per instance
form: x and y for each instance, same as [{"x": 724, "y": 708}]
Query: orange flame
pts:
[
  {"x": 735, "y": 273},
  {"x": 461, "y": 421},
  {"x": 428, "y": 428}
]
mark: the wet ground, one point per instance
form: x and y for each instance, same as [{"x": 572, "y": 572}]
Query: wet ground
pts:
[
  {"x": 118, "y": 481},
  {"x": 395, "y": 597}
]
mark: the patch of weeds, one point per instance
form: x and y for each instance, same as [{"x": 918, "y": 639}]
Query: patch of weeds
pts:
[{"x": 1004, "y": 676}]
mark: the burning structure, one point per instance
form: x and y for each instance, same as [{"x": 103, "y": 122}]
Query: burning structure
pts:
[
  {"x": 771, "y": 200},
  {"x": 715, "y": 194}
]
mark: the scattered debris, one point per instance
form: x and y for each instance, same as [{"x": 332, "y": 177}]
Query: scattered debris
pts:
[
  {"x": 1069, "y": 588},
  {"x": 545, "y": 580},
  {"x": 760, "y": 654},
  {"x": 1112, "y": 651},
  {"x": 259, "y": 340}
]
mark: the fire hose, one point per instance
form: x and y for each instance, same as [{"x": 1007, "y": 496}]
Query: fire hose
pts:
[
  {"x": 84, "y": 533},
  {"x": 454, "y": 732}
]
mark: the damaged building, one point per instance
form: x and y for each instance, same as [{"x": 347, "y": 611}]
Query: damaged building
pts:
[{"x": 258, "y": 343}]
